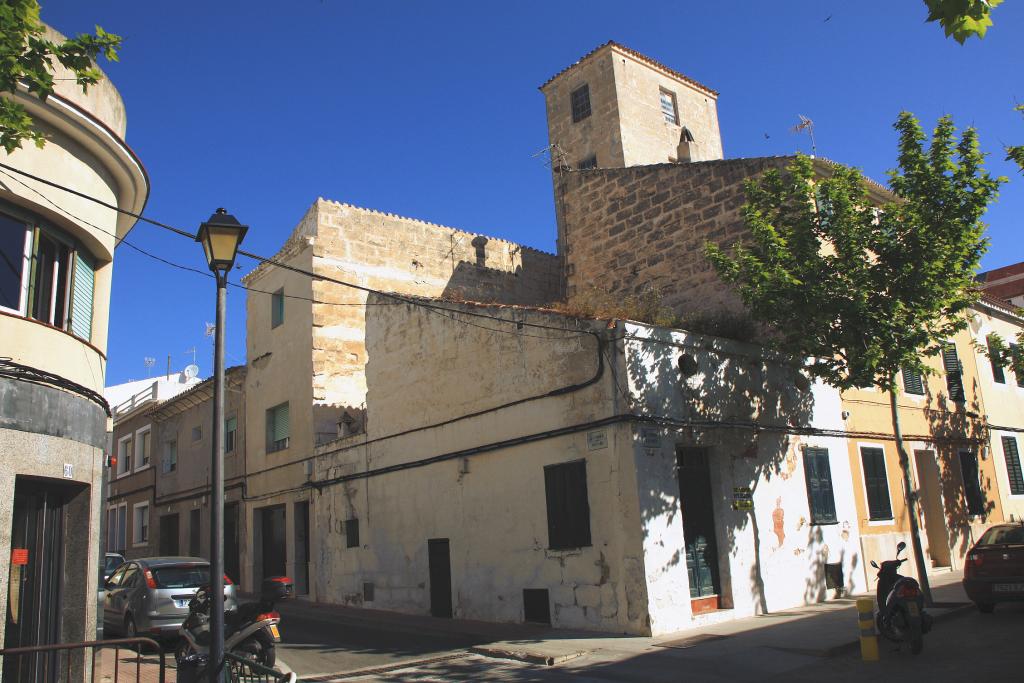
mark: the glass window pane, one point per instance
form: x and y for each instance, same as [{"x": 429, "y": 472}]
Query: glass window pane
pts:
[{"x": 12, "y": 262}]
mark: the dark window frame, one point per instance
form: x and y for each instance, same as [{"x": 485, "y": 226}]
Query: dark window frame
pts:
[
  {"x": 662, "y": 93},
  {"x": 352, "y": 533},
  {"x": 876, "y": 483},
  {"x": 821, "y": 500},
  {"x": 998, "y": 375},
  {"x": 274, "y": 441},
  {"x": 568, "y": 505},
  {"x": 954, "y": 373},
  {"x": 913, "y": 382},
  {"x": 579, "y": 100},
  {"x": 277, "y": 308}
]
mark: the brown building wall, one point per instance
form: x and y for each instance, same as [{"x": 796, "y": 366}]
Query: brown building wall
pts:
[{"x": 628, "y": 230}]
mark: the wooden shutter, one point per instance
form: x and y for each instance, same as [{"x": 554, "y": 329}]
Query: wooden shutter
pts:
[
  {"x": 954, "y": 376},
  {"x": 281, "y": 422},
  {"x": 876, "y": 482},
  {"x": 82, "y": 288},
  {"x": 912, "y": 383},
  {"x": 1020, "y": 375},
  {"x": 565, "y": 487},
  {"x": 820, "y": 497},
  {"x": 972, "y": 484},
  {"x": 1013, "y": 468},
  {"x": 997, "y": 364}
]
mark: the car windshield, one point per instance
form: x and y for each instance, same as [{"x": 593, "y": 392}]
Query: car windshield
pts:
[
  {"x": 111, "y": 564},
  {"x": 1003, "y": 534},
  {"x": 181, "y": 576}
]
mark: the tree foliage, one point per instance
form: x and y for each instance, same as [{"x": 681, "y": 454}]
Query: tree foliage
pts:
[
  {"x": 962, "y": 19},
  {"x": 1016, "y": 154},
  {"x": 27, "y": 57},
  {"x": 863, "y": 292}
]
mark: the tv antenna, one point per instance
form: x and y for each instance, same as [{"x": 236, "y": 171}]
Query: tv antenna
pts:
[
  {"x": 806, "y": 124},
  {"x": 211, "y": 329},
  {"x": 149, "y": 363},
  {"x": 193, "y": 352}
]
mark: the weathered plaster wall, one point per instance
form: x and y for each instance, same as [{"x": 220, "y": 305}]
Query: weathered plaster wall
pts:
[
  {"x": 628, "y": 230},
  {"x": 427, "y": 369},
  {"x": 772, "y": 557}
]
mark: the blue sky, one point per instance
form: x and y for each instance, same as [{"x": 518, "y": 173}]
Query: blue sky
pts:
[{"x": 431, "y": 110}]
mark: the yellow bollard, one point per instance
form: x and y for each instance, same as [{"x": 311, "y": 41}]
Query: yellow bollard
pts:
[{"x": 866, "y": 620}]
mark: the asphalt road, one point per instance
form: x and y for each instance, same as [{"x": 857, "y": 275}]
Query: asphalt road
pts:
[{"x": 969, "y": 647}]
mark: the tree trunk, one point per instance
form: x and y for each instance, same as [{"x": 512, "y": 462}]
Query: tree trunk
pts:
[{"x": 911, "y": 497}]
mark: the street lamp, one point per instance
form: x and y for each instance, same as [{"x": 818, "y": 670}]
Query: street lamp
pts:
[{"x": 220, "y": 237}]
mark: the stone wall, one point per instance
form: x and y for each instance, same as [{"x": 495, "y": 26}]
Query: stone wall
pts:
[{"x": 627, "y": 230}]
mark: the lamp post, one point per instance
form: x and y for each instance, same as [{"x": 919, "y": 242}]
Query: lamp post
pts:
[{"x": 220, "y": 237}]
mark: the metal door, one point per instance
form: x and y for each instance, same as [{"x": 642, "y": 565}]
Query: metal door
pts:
[{"x": 439, "y": 558}]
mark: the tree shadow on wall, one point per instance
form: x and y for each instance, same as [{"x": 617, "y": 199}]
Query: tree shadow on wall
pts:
[
  {"x": 953, "y": 432},
  {"x": 749, "y": 415}
]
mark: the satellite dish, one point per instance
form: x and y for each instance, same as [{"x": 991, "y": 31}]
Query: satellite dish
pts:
[{"x": 191, "y": 371}]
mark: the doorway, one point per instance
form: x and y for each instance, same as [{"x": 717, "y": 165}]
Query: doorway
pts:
[
  {"x": 232, "y": 562},
  {"x": 301, "y": 548},
  {"x": 698, "y": 528},
  {"x": 195, "y": 532},
  {"x": 273, "y": 541},
  {"x": 35, "y": 583},
  {"x": 932, "y": 515},
  {"x": 169, "y": 534},
  {"x": 439, "y": 559}
]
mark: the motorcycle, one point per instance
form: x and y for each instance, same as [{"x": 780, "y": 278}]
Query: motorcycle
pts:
[
  {"x": 901, "y": 616},
  {"x": 250, "y": 631}
]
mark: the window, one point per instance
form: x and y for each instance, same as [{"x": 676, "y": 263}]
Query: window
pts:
[
  {"x": 1020, "y": 375},
  {"x": 277, "y": 308},
  {"x": 972, "y": 483},
  {"x": 170, "y": 462},
  {"x": 140, "y": 524},
  {"x": 230, "y": 428},
  {"x": 996, "y": 361},
  {"x": 1013, "y": 468},
  {"x": 142, "y": 451},
  {"x": 668, "y": 107},
  {"x": 876, "y": 483},
  {"x": 912, "y": 382},
  {"x": 197, "y": 433},
  {"x": 588, "y": 163},
  {"x": 277, "y": 427},
  {"x": 954, "y": 373},
  {"x": 565, "y": 487},
  {"x": 351, "y": 533},
  {"x": 820, "y": 497},
  {"x": 116, "y": 528},
  {"x": 580, "y": 103},
  {"x": 124, "y": 455},
  {"x": 46, "y": 275}
]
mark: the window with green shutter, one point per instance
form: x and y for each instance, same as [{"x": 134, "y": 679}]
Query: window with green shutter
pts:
[
  {"x": 954, "y": 373},
  {"x": 1013, "y": 468},
  {"x": 277, "y": 428},
  {"x": 876, "y": 482},
  {"x": 820, "y": 497},
  {"x": 972, "y": 483},
  {"x": 230, "y": 429},
  {"x": 1020, "y": 375},
  {"x": 277, "y": 308},
  {"x": 996, "y": 361},
  {"x": 82, "y": 285},
  {"x": 912, "y": 382}
]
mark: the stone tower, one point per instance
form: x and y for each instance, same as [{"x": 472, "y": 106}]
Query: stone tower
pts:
[{"x": 616, "y": 108}]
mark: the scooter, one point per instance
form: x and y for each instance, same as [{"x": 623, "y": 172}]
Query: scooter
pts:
[
  {"x": 901, "y": 616},
  {"x": 250, "y": 631}
]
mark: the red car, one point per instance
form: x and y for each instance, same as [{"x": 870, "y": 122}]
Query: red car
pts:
[{"x": 995, "y": 567}]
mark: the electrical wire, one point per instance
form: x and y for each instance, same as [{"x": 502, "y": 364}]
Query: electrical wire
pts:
[{"x": 27, "y": 373}]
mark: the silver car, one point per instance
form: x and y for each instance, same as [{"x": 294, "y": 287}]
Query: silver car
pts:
[{"x": 149, "y": 596}]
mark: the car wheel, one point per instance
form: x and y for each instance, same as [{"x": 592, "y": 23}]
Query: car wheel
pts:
[{"x": 985, "y": 607}]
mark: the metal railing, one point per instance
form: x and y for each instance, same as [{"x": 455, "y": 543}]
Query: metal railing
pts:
[
  {"x": 45, "y": 660},
  {"x": 242, "y": 670}
]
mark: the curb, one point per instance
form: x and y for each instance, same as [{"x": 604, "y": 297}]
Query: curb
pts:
[
  {"x": 854, "y": 645},
  {"x": 525, "y": 655}
]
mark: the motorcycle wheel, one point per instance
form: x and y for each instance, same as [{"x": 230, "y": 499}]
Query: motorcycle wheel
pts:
[
  {"x": 181, "y": 651},
  {"x": 260, "y": 649}
]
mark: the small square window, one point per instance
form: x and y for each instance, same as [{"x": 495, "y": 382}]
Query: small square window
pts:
[
  {"x": 588, "y": 163},
  {"x": 277, "y": 428},
  {"x": 668, "y": 107},
  {"x": 197, "y": 433},
  {"x": 277, "y": 308},
  {"x": 580, "y": 103}
]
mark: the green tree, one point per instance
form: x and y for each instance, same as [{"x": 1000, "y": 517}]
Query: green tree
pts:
[
  {"x": 1016, "y": 154},
  {"x": 962, "y": 19},
  {"x": 27, "y": 57},
  {"x": 861, "y": 292}
]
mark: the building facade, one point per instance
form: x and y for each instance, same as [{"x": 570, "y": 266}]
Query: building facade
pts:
[{"x": 54, "y": 301}]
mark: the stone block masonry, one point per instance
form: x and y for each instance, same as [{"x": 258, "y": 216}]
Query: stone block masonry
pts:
[{"x": 626, "y": 230}]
